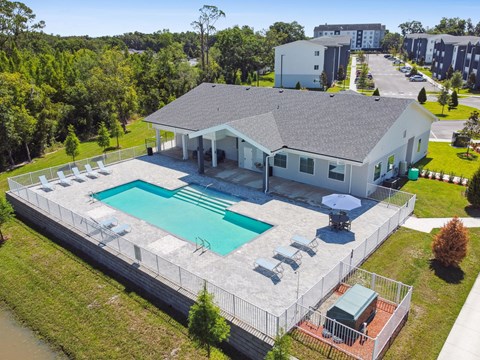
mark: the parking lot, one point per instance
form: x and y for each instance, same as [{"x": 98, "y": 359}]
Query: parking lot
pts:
[{"x": 392, "y": 82}]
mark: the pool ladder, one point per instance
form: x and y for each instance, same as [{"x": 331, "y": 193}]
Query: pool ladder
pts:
[
  {"x": 203, "y": 193},
  {"x": 202, "y": 244}
]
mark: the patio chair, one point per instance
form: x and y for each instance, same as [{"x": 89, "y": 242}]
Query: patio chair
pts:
[
  {"x": 46, "y": 186},
  {"x": 290, "y": 253},
  {"x": 304, "y": 242},
  {"x": 90, "y": 172},
  {"x": 106, "y": 223},
  {"x": 273, "y": 266},
  {"x": 62, "y": 180},
  {"x": 102, "y": 169},
  {"x": 121, "y": 229},
  {"x": 78, "y": 176}
]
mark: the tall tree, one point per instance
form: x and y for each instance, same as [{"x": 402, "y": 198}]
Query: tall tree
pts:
[
  {"x": 471, "y": 128},
  {"x": 341, "y": 75},
  {"x": 422, "y": 96},
  {"x": 72, "y": 143},
  {"x": 472, "y": 80},
  {"x": 205, "y": 25},
  {"x": 205, "y": 324},
  {"x": 457, "y": 80},
  {"x": 450, "y": 244},
  {"x": 324, "y": 81},
  {"x": 6, "y": 214},
  {"x": 103, "y": 137},
  {"x": 116, "y": 130},
  {"x": 391, "y": 41},
  {"x": 287, "y": 32},
  {"x": 453, "y": 103},
  {"x": 444, "y": 95},
  {"x": 453, "y": 26},
  {"x": 449, "y": 72},
  {"x": 411, "y": 27}
]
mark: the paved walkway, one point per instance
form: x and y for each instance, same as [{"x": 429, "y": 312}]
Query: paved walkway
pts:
[
  {"x": 427, "y": 224},
  {"x": 463, "y": 342},
  {"x": 353, "y": 74}
]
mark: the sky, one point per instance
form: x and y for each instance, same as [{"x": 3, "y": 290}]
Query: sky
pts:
[{"x": 109, "y": 17}]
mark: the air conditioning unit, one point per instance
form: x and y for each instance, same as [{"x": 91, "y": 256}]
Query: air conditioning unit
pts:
[{"x": 402, "y": 168}]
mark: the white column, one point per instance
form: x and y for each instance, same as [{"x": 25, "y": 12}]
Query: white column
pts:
[
  {"x": 185, "y": 146},
  {"x": 159, "y": 139},
  {"x": 214, "y": 153}
]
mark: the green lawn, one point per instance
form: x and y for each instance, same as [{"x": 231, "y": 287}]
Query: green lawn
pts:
[
  {"x": 136, "y": 134},
  {"x": 462, "y": 112},
  {"x": 267, "y": 80},
  {"x": 81, "y": 311},
  {"x": 442, "y": 157},
  {"x": 439, "y": 199},
  {"x": 438, "y": 294}
]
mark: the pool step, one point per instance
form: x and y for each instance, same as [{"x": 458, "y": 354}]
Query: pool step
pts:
[{"x": 196, "y": 197}]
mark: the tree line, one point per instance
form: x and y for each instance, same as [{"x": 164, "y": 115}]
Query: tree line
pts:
[{"x": 49, "y": 83}]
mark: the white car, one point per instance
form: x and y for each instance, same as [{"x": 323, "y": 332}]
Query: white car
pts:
[
  {"x": 405, "y": 69},
  {"x": 417, "y": 78}
]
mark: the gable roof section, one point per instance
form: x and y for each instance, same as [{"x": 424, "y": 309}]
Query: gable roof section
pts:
[
  {"x": 334, "y": 40},
  {"x": 341, "y": 126},
  {"x": 349, "y": 27}
]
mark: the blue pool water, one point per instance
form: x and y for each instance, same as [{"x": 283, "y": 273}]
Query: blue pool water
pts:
[{"x": 188, "y": 212}]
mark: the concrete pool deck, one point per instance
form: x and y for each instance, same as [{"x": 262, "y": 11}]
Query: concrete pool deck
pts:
[{"x": 233, "y": 272}]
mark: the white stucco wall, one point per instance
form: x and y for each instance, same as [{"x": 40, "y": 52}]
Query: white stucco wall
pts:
[{"x": 298, "y": 64}]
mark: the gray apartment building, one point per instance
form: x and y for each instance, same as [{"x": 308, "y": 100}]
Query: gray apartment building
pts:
[
  {"x": 362, "y": 36},
  {"x": 462, "y": 52},
  {"x": 420, "y": 46}
]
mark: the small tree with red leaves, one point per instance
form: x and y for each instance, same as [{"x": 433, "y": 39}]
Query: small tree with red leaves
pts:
[{"x": 450, "y": 244}]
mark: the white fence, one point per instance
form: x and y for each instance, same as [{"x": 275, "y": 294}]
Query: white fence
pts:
[{"x": 260, "y": 319}]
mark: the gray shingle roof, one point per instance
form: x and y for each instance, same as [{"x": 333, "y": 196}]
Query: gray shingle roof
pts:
[
  {"x": 460, "y": 40},
  {"x": 341, "y": 126},
  {"x": 335, "y": 40},
  {"x": 349, "y": 27}
]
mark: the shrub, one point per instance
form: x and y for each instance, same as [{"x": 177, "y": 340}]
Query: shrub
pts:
[
  {"x": 281, "y": 348},
  {"x": 422, "y": 96},
  {"x": 450, "y": 244},
  {"x": 298, "y": 86},
  {"x": 473, "y": 194},
  {"x": 6, "y": 214}
]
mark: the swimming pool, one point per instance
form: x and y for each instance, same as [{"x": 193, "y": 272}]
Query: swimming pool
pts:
[{"x": 189, "y": 212}]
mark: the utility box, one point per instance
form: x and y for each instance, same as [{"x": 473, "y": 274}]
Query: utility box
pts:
[{"x": 413, "y": 174}]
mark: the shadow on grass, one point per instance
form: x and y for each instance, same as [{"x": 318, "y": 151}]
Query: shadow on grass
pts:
[
  {"x": 450, "y": 274},
  {"x": 472, "y": 211},
  {"x": 471, "y": 156},
  {"x": 441, "y": 115}
]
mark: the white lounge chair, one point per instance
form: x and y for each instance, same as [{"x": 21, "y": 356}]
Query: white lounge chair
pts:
[
  {"x": 78, "y": 176},
  {"x": 62, "y": 180},
  {"x": 45, "y": 184},
  {"x": 121, "y": 229},
  {"x": 274, "y": 266},
  {"x": 90, "y": 172},
  {"x": 301, "y": 241},
  {"x": 289, "y": 252},
  {"x": 102, "y": 169},
  {"x": 106, "y": 223}
]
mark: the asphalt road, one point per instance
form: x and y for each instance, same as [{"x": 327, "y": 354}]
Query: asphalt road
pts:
[{"x": 443, "y": 130}]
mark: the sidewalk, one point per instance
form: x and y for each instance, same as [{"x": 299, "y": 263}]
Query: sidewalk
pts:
[
  {"x": 353, "y": 74},
  {"x": 463, "y": 342}
]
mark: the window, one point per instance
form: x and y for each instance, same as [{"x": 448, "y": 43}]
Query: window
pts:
[
  {"x": 280, "y": 160},
  {"x": 317, "y": 53},
  {"x": 377, "y": 171},
  {"x": 306, "y": 165},
  {"x": 315, "y": 67},
  {"x": 391, "y": 162},
  {"x": 419, "y": 145},
  {"x": 336, "y": 171}
]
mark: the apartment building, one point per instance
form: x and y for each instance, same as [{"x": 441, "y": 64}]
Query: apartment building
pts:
[{"x": 362, "y": 36}]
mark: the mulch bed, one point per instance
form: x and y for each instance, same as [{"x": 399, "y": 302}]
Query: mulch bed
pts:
[{"x": 362, "y": 351}]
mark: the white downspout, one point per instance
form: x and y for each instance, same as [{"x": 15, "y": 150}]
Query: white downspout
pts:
[
  {"x": 267, "y": 171},
  {"x": 350, "y": 184}
]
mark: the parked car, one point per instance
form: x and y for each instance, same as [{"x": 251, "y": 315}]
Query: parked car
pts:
[
  {"x": 398, "y": 62},
  {"x": 417, "y": 78},
  {"x": 405, "y": 69},
  {"x": 386, "y": 56},
  {"x": 408, "y": 74}
]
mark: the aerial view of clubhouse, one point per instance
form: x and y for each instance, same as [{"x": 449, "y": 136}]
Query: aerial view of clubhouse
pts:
[{"x": 270, "y": 197}]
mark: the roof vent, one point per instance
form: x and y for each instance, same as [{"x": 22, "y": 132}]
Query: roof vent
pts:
[
  {"x": 213, "y": 85},
  {"x": 278, "y": 106},
  {"x": 218, "y": 109},
  {"x": 332, "y": 95},
  {"x": 377, "y": 99},
  {"x": 280, "y": 91},
  {"x": 248, "y": 88}
]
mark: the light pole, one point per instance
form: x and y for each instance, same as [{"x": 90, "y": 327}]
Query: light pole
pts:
[{"x": 281, "y": 70}]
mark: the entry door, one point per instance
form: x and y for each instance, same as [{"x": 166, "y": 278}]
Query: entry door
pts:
[
  {"x": 410, "y": 149},
  {"x": 247, "y": 158}
]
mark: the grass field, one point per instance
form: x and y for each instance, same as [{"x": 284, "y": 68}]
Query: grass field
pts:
[
  {"x": 442, "y": 157},
  {"x": 462, "y": 112}
]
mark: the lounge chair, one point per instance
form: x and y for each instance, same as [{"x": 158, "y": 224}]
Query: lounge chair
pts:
[
  {"x": 45, "y": 184},
  {"x": 121, "y": 229},
  {"x": 62, "y": 180},
  {"x": 78, "y": 176},
  {"x": 102, "y": 169},
  {"x": 274, "y": 266},
  {"x": 289, "y": 252},
  {"x": 106, "y": 223},
  {"x": 90, "y": 172},
  {"x": 304, "y": 242}
]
